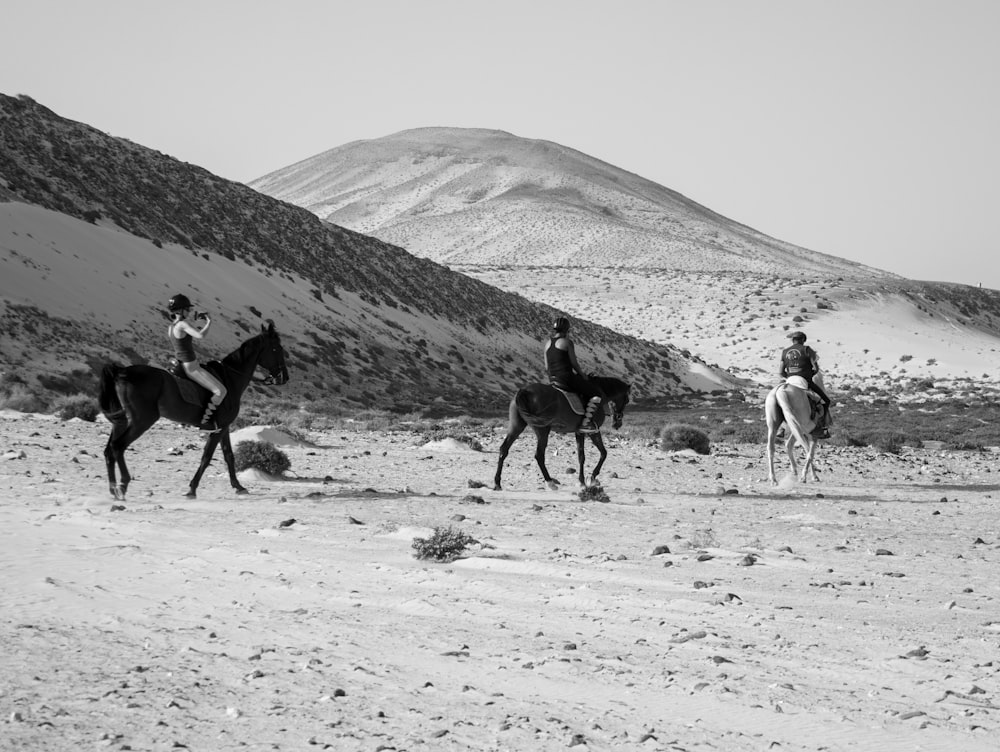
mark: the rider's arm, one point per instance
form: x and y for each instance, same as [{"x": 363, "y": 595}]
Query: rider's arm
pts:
[
  {"x": 184, "y": 326},
  {"x": 571, "y": 351}
]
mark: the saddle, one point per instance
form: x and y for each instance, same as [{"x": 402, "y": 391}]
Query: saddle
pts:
[
  {"x": 191, "y": 391},
  {"x": 575, "y": 402}
]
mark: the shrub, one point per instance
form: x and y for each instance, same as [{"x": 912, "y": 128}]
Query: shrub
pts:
[
  {"x": 78, "y": 406},
  {"x": 675, "y": 437},
  {"x": 890, "y": 442},
  {"x": 20, "y": 398},
  {"x": 594, "y": 493},
  {"x": 446, "y": 544},
  {"x": 743, "y": 433},
  {"x": 261, "y": 455}
]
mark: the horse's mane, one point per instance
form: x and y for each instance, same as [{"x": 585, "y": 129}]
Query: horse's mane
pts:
[
  {"x": 610, "y": 383},
  {"x": 240, "y": 354}
]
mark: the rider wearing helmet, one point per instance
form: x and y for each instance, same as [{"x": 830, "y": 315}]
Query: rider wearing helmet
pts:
[
  {"x": 182, "y": 335},
  {"x": 565, "y": 373},
  {"x": 799, "y": 359}
]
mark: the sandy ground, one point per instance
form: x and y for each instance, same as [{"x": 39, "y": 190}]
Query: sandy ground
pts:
[{"x": 698, "y": 609}]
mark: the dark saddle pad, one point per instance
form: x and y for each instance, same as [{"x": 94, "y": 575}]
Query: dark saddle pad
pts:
[
  {"x": 191, "y": 391},
  {"x": 575, "y": 403}
]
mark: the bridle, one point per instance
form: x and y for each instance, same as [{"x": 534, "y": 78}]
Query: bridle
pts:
[{"x": 618, "y": 413}]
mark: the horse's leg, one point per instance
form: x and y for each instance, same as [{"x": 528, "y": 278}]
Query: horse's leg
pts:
[
  {"x": 790, "y": 451},
  {"x": 514, "y": 429},
  {"x": 206, "y": 457},
  {"x": 122, "y": 436},
  {"x": 772, "y": 436},
  {"x": 227, "y": 453},
  {"x": 580, "y": 441},
  {"x": 598, "y": 441},
  {"x": 542, "y": 434},
  {"x": 810, "y": 456}
]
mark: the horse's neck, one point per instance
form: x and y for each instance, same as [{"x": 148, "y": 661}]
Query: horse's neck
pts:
[{"x": 240, "y": 366}]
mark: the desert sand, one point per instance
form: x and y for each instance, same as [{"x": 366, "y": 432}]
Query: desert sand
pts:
[{"x": 699, "y": 608}]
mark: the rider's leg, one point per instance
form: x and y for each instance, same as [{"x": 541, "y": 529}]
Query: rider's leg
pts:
[
  {"x": 825, "y": 419},
  {"x": 198, "y": 374},
  {"x": 593, "y": 396},
  {"x": 588, "y": 425}
]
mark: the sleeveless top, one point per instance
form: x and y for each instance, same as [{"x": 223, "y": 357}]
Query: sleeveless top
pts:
[
  {"x": 557, "y": 362},
  {"x": 797, "y": 361},
  {"x": 183, "y": 347}
]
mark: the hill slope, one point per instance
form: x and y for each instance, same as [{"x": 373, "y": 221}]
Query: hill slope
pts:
[
  {"x": 97, "y": 232},
  {"x": 563, "y": 228},
  {"x": 471, "y": 196}
]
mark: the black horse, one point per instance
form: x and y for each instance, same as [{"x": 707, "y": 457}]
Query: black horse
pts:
[
  {"x": 546, "y": 409},
  {"x": 133, "y": 398}
]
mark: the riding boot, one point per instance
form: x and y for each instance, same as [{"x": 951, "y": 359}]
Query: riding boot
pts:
[
  {"x": 822, "y": 429},
  {"x": 587, "y": 426},
  {"x": 207, "y": 424}
]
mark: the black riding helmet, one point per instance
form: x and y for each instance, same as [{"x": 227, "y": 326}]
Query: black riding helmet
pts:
[
  {"x": 179, "y": 302},
  {"x": 561, "y": 324},
  {"x": 797, "y": 337}
]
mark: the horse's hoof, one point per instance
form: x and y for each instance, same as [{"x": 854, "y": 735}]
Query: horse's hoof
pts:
[
  {"x": 191, "y": 494},
  {"x": 497, "y": 487},
  {"x": 553, "y": 484},
  {"x": 241, "y": 491}
]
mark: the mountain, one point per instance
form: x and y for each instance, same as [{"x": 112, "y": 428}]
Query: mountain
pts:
[
  {"x": 473, "y": 196},
  {"x": 566, "y": 229},
  {"x": 97, "y": 232}
]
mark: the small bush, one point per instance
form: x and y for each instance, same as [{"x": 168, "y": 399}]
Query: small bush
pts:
[
  {"x": 594, "y": 493},
  {"x": 446, "y": 544},
  {"x": 21, "y": 399},
  {"x": 890, "y": 442},
  {"x": 674, "y": 438},
  {"x": 261, "y": 455},
  {"x": 78, "y": 406},
  {"x": 462, "y": 438}
]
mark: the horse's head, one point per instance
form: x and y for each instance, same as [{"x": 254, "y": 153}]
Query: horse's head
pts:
[
  {"x": 617, "y": 392},
  {"x": 271, "y": 356}
]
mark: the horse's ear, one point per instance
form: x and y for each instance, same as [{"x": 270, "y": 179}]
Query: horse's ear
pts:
[{"x": 269, "y": 329}]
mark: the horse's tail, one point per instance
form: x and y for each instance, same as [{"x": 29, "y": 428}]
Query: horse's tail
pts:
[
  {"x": 108, "y": 399},
  {"x": 791, "y": 416}
]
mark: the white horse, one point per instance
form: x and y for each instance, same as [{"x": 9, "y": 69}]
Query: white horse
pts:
[{"x": 789, "y": 403}]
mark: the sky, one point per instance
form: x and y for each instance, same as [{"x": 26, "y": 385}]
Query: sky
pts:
[{"x": 865, "y": 129}]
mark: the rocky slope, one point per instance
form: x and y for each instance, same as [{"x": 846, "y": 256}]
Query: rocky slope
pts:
[{"x": 97, "y": 232}]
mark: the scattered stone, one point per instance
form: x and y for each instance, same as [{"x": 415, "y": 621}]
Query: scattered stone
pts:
[
  {"x": 661, "y": 550},
  {"x": 117, "y": 507},
  {"x": 747, "y": 561},
  {"x": 352, "y": 521},
  {"x": 883, "y": 552},
  {"x": 476, "y": 484},
  {"x": 470, "y": 499},
  {"x": 287, "y": 523},
  {"x": 458, "y": 517},
  {"x": 705, "y": 557}
]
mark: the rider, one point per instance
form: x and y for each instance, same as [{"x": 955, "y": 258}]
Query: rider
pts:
[
  {"x": 565, "y": 373},
  {"x": 801, "y": 360},
  {"x": 182, "y": 334}
]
